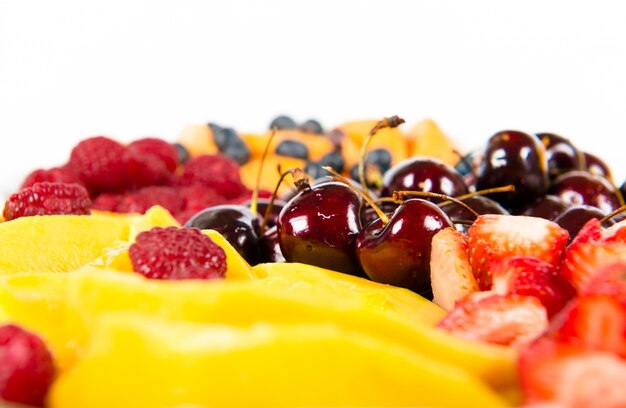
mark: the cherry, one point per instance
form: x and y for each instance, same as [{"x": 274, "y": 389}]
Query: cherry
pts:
[
  {"x": 236, "y": 223},
  {"x": 423, "y": 174},
  {"x": 581, "y": 187},
  {"x": 548, "y": 207},
  {"x": 480, "y": 204},
  {"x": 597, "y": 166},
  {"x": 574, "y": 217},
  {"x": 319, "y": 227},
  {"x": 262, "y": 206},
  {"x": 561, "y": 154},
  {"x": 397, "y": 252},
  {"x": 369, "y": 214},
  {"x": 513, "y": 157},
  {"x": 269, "y": 246}
]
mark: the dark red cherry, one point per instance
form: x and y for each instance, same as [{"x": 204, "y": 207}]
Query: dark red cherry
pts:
[
  {"x": 369, "y": 215},
  {"x": 548, "y": 207},
  {"x": 581, "y": 187},
  {"x": 269, "y": 246},
  {"x": 236, "y": 223},
  {"x": 573, "y": 218},
  {"x": 424, "y": 174},
  {"x": 262, "y": 204},
  {"x": 561, "y": 154},
  {"x": 398, "y": 253},
  {"x": 480, "y": 204},
  {"x": 597, "y": 166},
  {"x": 517, "y": 158},
  {"x": 319, "y": 227}
]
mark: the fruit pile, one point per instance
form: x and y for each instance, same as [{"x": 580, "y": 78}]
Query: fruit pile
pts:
[{"x": 161, "y": 275}]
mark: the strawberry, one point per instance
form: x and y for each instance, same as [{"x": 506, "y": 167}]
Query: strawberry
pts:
[
  {"x": 529, "y": 276},
  {"x": 493, "y": 237},
  {"x": 450, "y": 272},
  {"x": 509, "y": 320},
  {"x": 610, "y": 280},
  {"x": 567, "y": 376}
]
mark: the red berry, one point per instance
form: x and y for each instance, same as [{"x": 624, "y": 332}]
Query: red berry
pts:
[
  {"x": 529, "y": 276},
  {"x": 47, "y": 199},
  {"x": 177, "y": 253},
  {"x": 107, "y": 201},
  {"x": 198, "y": 197},
  {"x": 214, "y": 171},
  {"x": 102, "y": 164},
  {"x": 157, "y": 150},
  {"x": 26, "y": 366},
  {"x": 493, "y": 237},
  {"x": 61, "y": 174},
  {"x": 141, "y": 200}
]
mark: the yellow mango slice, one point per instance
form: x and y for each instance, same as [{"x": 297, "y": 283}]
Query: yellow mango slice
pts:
[
  {"x": 137, "y": 361},
  {"x": 236, "y": 266},
  {"x": 427, "y": 139},
  {"x": 198, "y": 140},
  {"x": 390, "y": 139},
  {"x": 56, "y": 243}
]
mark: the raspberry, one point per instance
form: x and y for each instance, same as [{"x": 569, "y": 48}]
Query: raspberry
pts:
[
  {"x": 214, "y": 171},
  {"x": 102, "y": 164},
  {"x": 26, "y": 366},
  {"x": 198, "y": 197},
  {"x": 107, "y": 202},
  {"x": 159, "y": 149},
  {"x": 48, "y": 198},
  {"x": 146, "y": 171},
  {"x": 141, "y": 200},
  {"x": 177, "y": 253},
  {"x": 61, "y": 174}
]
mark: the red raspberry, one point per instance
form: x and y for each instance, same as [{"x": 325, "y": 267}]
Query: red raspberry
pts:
[
  {"x": 26, "y": 366},
  {"x": 198, "y": 197},
  {"x": 61, "y": 174},
  {"x": 46, "y": 199},
  {"x": 177, "y": 253},
  {"x": 146, "y": 171},
  {"x": 102, "y": 164},
  {"x": 141, "y": 200},
  {"x": 159, "y": 150},
  {"x": 214, "y": 171},
  {"x": 107, "y": 202}
]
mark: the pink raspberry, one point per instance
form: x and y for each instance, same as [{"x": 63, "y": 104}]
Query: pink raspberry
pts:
[
  {"x": 26, "y": 366},
  {"x": 158, "y": 149},
  {"x": 214, "y": 171},
  {"x": 48, "y": 198},
  {"x": 61, "y": 174},
  {"x": 177, "y": 253},
  {"x": 141, "y": 200}
]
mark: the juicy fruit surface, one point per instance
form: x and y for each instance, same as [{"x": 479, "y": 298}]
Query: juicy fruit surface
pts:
[{"x": 46, "y": 199}]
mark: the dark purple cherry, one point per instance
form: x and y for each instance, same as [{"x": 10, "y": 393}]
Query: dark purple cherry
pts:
[
  {"x": 424, "y": 174},
  {"x": 581, "y": 187},
  {"x": 398, "y": 253},
  {"x": 597, "y": 166},
  {"x": 548, "y": 207},
  {"x": 622, "y": 189},
  {"x": 369, "y": 215},
  {"x": 319, "y": 227},
  {"x": 262, "y": 204},
  {"x": 480, "y": 204},
  {"x": 561, "y": 154},
  {"x": 573, "y": 218},
  {"x": 513, "y": 157},
  {"x": 236, "y": 223},
  {"x": 269, "y": 246}
]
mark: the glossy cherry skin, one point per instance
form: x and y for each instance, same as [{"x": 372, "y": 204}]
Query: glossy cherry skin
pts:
[
  {"x": 581, "y": 187},
  {"x": 561, "y": 154},
  {"x": 319, "y": 227},
  {"x": 547, "y": 207},
  {"x": 269, "y": 246},
  {"x": 597, "y": 166},
  {"x": 517, "y": 158},
  {"x": 424, "y": 174},
  {"x": 573, "y": 218},
  {"x": 236, "y": 223},
  {"x": 398, "y": 253},
  {"x": 262, "y": 204},
  {"x": 480, "y": 204}
]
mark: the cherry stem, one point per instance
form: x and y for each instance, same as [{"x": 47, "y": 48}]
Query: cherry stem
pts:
[
  {"x": 390, "y": 122},
  {"x": 398, "y": 197},
  {"x": 254, "y": 200},
  {"x": 503, "y": 189},
  {"x": 298, "y": 175},
  {"x": 338, "y": 177},
  {"x": 613, "y": 214}
]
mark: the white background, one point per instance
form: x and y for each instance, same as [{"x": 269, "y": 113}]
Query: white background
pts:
[{"x": 127, "y": 69}]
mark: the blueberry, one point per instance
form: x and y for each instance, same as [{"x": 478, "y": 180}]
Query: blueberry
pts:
[
  {"x": 380, "y": 157},
  {"x": 292, "y": 148},
  {"x": 230, "y": 144},
  {"x": 312, "y": 126},
  {"x": 182, "y": 152},
  {"x": 466, "y": 164},
  {"x": 314, "y": 170},
  {"x": 283, "y": 122},
  {"x": 333, "y": 159}
]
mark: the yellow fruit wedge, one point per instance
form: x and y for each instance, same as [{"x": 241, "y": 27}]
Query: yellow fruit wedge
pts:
[
  {"x": 427, "y": 139},
  {"x": 57, "y": 243},
  {"x": 270, "y": 175},
  {"x": 38, "y": 302},
  {"x": 138, "y": 361},
  {"x": 236, "y": 266},
  {"x": 390, "y": 139},
  {"x": 198, "y": 140}
]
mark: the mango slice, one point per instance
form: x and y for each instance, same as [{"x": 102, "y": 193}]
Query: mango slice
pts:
[
  {"x": 427, "y": 139},
  {"x": 56, "y": 243},
  {"x": 137, "y": 361}
]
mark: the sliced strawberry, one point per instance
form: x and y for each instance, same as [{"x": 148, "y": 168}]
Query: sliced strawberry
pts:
[
  {"x": 610, "y": 280},
  {"x": 615, "y": 233},
  {"x": 529, "y": 276},
  {"x": 590, "y": 232},
  {"x": 584, "y": 259},
  {"x": 493, "y": 237},
  {"x": 563, "y": 374},
  {"x": 509, "y": 320},
  {"x": 450, "y": 272}
]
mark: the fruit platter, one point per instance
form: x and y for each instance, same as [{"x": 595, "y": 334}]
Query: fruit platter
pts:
[{"x": 373, "y": 264}]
